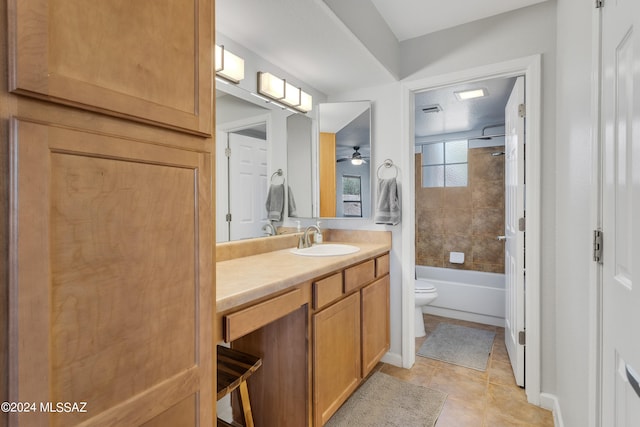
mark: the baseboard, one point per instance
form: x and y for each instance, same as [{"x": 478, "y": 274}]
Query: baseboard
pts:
[
  {"x": 394, "y": 359},
  {"x": 463, "y": 315},
  {"x": 550, "y": 401}
]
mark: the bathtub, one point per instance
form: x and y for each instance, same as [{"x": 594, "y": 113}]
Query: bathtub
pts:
[{"x": 475, "y": 296}]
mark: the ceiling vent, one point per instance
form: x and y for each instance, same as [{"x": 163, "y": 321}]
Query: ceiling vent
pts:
[{"x": 435, "y": 108}]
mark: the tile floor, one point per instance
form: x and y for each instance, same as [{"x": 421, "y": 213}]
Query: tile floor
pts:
[{"x": 474, "y": 398}]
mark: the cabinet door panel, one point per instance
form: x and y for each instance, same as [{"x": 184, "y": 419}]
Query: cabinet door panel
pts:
[
  {"x": 375, "y": 323},
  {"x": 336, "y": 351},
  {"x": 111, "y": 278},
  {"x": 147, "y": 60}
]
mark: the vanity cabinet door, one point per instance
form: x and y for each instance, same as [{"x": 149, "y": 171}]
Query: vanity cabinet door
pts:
[
  {"x": 336, "y": 356},
  {"x": 375, "y": 323}
]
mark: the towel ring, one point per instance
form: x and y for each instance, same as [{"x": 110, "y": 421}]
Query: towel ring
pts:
[
  {"x": 387, "y": 164},
  {"x": 277, "y": 173}
]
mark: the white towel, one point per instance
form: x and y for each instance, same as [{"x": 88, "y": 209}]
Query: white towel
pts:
[
  {"x": 388, "y": 205},
  {"x": 292, "y": 203},
  {"x": 275, "y": 202}
]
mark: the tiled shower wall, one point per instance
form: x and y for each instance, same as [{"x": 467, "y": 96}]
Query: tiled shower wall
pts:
[{"x": 463, "y": 219}]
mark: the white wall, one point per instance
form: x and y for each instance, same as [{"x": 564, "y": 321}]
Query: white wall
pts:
[
  {"x": 509, "y": 36},
  {"x": 574, "y": 203}
]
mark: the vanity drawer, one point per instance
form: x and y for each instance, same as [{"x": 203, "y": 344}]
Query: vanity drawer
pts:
[
  {"x": 327, "y": 290},
  {"x": 382, "y": 265},
  {"x": 249, "y": 319},
  {"x": 356, "y": 276}
]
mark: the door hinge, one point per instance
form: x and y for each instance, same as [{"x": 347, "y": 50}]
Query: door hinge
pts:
[
  {"x": 227, "y": 152},
  {"x": 597, "y": 246},
  {"x": 599, "y": 4},
  {"x": 522, "y": 110},
  {"x": 522, "y": 338},
  {"x": 228, "y": 217},
  {"x": 522, "y": 223}
]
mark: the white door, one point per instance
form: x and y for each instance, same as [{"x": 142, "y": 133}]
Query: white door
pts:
[
  {"x": 621, "y": 213},
  {"x": 247, "y": 186},
  {"x": 514, "y": 242}
]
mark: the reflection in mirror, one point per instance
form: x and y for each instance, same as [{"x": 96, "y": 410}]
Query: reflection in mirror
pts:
[
  {"x": 299, "y": 166},
  {"x": 344, "y": 149},
  {"x": 252, "y": 139},
  {"x": 241, "y": 168}
]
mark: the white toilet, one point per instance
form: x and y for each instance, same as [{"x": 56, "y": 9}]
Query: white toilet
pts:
[{"x": 425, "y": 293}]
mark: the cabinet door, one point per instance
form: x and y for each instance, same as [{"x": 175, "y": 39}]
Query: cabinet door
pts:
[
  {"x": 375, "y": 323},
  {"x": 147, "y": 60},
  {"x": 336, "y": 356},
  {"x": 111, "y": 285}
]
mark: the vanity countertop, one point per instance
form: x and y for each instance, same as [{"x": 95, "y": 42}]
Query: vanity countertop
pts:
[{"x": 245, "y": 279}]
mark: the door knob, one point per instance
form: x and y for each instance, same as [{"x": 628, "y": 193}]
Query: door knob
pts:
[{"x": 502, "y": 238}]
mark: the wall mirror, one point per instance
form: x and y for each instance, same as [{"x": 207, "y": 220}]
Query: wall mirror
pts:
[
  {"x": 344, "y": 165},
  {"x": 253, "y": 138}
]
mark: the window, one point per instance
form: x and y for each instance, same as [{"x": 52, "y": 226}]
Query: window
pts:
[
  {"x": 444, "y": 164},
  {"x": 351, "y": 195}
]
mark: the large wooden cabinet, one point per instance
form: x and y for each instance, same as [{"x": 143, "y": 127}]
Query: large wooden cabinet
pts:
[
  {"x": 111, "y": 275},
  {"x": 145, "y": 60}
]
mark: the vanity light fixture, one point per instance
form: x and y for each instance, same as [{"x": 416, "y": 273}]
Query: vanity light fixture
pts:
[
  {"x": 228, "y": 65},
  {"x": 284, "y": 93},
  {"x": 463, "y": 95}
]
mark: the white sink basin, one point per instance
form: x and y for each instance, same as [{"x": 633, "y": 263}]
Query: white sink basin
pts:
[{"x": 326, "y": 249}]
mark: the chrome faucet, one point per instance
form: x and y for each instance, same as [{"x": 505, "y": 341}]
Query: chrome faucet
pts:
[
  {"x": 269, "y": 229},
  {"x": 306, "y": 240}
]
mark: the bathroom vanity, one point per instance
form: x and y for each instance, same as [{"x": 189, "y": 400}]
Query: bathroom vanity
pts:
[{"x": 320, "y": 324}]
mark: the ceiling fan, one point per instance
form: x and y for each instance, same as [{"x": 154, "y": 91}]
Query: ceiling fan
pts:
[{"x": 356, "y": 158}]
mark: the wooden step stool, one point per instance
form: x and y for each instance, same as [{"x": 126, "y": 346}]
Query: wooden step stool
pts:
[{"x": 233, "y": 369}]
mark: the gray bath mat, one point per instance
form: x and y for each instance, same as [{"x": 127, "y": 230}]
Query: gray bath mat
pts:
[
  {"x": 460, "y": 345},
  {"x": 387, "y": 401}
]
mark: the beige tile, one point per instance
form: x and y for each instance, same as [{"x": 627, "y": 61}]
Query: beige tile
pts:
[
  {"x": 488, "y": 250},
  {"x": 500, "y": 372},
  {"x": 420, "y": 374},
  {"x": 488, "y": 221},
  {"x": 430, "y": 246},
  {"x": 430, "y": 221},
  {"x": 485, "y": 167},
  {"x": 457, "y": 197},
  {"x": 458, "y": 244},
  {"x": 488, "y": 194},
  {"x": 457, "y": 413},
  {"x": 457, "y": 222},
  {"x": 429, "y": 198},
  {"x": 460, "y": 386},
  {"x": 499, "y": 351},
  {"x": 510, "y": 403}
]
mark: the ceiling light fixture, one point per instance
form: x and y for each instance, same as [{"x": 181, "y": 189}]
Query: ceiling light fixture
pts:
[
  {"x": 463, "y": 95},
  {"x": 228, "y": 65},
  {"x": 284, "y": 93}
]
